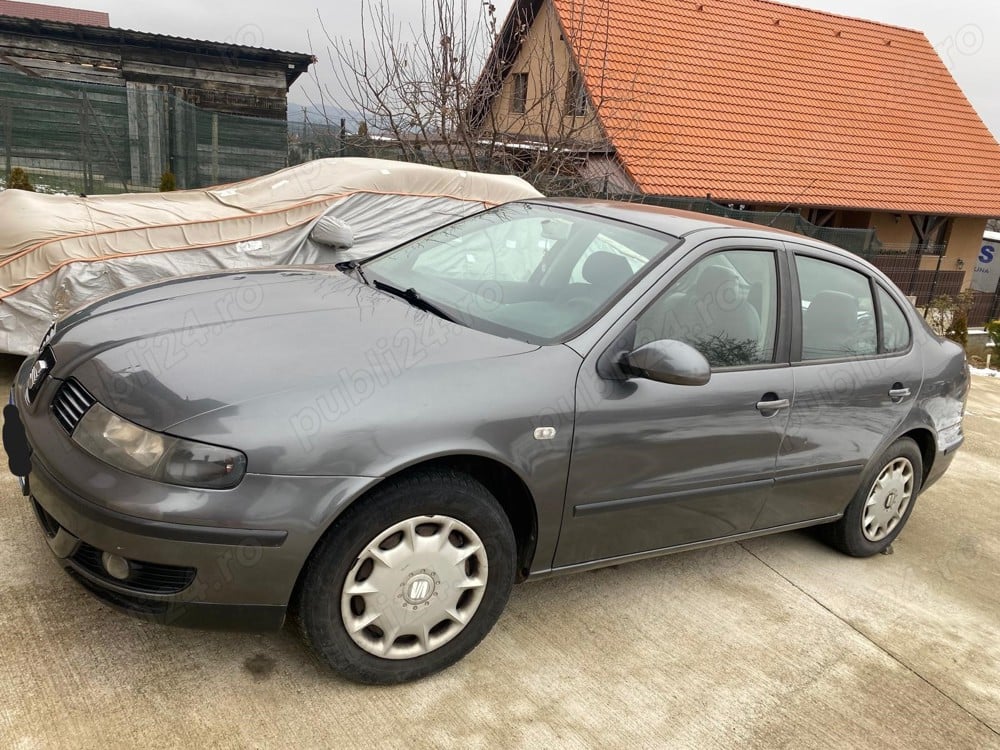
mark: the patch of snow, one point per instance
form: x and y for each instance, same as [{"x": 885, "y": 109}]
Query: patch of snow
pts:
[{"x": 984, "y": 372}]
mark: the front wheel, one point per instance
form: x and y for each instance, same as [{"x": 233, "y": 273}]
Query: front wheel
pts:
[
  {"x": 883, "y": 504},
  {"x": 409, "y": 580}
]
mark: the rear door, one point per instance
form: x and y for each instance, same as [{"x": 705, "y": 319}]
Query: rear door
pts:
[
  {"x": 657, "y": 465},
  {"x": 856, "y": 375}
]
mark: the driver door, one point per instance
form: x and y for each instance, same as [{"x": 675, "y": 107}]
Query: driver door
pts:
[{"x": 656, "y": 465}]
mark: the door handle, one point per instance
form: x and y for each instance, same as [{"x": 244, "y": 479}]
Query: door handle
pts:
[
  {"x": 773, "y": 405},
  {"x": 898, "y": 392}
]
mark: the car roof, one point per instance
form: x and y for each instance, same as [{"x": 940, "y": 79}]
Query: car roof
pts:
[{"x": 670, "y": 220}]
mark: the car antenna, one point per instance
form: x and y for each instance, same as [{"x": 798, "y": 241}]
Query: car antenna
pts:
[{"x": 795, "y": 200}]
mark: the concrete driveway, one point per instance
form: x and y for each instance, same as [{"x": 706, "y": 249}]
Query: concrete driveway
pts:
[{"x": 774, "y": 643}]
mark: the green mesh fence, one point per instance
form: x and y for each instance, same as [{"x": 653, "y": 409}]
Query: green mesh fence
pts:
[
  {"x": 859, "y": 241},
  {"x": 862, "y": 242},
  {"x": 92, "y": 138}
]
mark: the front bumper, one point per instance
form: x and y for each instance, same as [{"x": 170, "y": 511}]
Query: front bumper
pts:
[
  {"x": 197, "y": 581},
  {"x": 220, "y": 559}
]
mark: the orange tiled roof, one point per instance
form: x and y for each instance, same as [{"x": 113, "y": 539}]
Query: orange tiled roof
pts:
[
  {"x": 760, "y": 102},
  {"x": 54, "y": 13}
]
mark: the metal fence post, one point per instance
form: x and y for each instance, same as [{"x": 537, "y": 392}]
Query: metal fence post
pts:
[
  {"x": 86, "y": 167},
  {"x": 995, "y": 308},
  {"x": 215, "y": 148},
  {"x": 934, "y": 282},
  {"x": 8, "y": 137}
]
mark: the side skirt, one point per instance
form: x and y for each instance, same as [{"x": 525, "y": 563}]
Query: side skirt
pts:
[{"x": 634, "y": 557}]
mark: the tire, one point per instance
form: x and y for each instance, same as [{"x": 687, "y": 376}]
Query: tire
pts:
[
  {"x": 421, "y": 569},
  {"x": 883, "y": 503}
]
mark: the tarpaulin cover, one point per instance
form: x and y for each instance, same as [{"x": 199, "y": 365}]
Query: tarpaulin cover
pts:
[{"x": 58, "y": 252}]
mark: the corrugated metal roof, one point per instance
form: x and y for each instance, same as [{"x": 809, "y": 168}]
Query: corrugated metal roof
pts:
[
  {"x": 761, "y": 102},
  {"x": 114, "y": 35}
]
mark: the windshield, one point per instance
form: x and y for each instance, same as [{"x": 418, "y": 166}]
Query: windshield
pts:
[{"x": 522, "y": 270}]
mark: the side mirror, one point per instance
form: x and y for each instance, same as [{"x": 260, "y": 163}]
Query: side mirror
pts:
[
  {"x": 669, "y": 361},
  {"x": 333, "y": 232}
]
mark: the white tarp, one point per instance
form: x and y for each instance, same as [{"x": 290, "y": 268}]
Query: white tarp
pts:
[{"x": 58, "y": 252}]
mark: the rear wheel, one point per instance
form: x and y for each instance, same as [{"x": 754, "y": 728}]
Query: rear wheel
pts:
[
  {"x": 409, "y": 580},
  {"x": 883, "y": 504}
]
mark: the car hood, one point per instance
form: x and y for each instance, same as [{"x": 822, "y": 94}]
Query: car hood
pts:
[{"x": 171, "y": 351}]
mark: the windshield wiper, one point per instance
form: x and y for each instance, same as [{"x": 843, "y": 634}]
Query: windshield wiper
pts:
[
  {"x": 412, "y": 296},
  {"x": 353, "y": 265}
]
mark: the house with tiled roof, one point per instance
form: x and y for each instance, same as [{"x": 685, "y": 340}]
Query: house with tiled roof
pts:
[{"x": 758, "y": 104}]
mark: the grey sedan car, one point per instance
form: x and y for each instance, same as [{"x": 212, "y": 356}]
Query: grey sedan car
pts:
[{"x": 385, "y": 448}]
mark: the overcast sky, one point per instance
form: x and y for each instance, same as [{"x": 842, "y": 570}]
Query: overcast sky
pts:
[{"x": 966, "y": 32}]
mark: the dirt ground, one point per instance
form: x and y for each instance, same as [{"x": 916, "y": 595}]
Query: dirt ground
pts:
[{"x": 774, "y": 643}]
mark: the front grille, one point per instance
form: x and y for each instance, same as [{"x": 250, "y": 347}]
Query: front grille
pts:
[
  {"x": 149, "y": 578},
  {"x": 70, "y": 404}
]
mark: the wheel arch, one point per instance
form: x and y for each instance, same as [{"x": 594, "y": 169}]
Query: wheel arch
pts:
[
  {"x": 505, "y": 484},
  {"x": 927, "y": 443}
]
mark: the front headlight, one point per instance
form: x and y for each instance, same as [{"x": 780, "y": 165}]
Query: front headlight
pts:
[{"x": 165, "y": 458}]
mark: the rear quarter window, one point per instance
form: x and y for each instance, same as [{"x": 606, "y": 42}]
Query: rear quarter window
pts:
[{"x": 895, "y": 327}]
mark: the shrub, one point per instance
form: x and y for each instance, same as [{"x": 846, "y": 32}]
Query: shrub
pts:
[
  {"x": 958, "y": 329},
  {"x": 993, "y": 331},
  {"x": 949, "y": 316},
  {"x": 18, "y": 180},
  {"x": 168, "y": 183},
  {"x": 938, "y": 314}
]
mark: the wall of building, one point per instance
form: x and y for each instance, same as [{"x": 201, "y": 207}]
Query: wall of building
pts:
[
  {"x": 892, "y": 228},
  {"x": 546, "y": 58},
  {"x": 964, "y": 244},
  {"x": 608, "y": 172},
  {"x": 224, "y": 78}
]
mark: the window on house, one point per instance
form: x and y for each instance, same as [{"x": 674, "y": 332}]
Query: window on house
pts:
[
  {"x": 576, "y": 95},
  {"x": 519, "y": 94}
]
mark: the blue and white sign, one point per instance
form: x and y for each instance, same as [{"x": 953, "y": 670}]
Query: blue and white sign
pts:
[{"x": 987, "y": 270}]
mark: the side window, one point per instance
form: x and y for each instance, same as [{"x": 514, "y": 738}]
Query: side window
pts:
[
  {"x": 895, "y": 329},
  {"x": 838, "y": 314},
  {"x": 725, "y": 306}
]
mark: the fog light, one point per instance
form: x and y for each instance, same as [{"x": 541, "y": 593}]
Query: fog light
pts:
[{"x": 116, "y": 565}]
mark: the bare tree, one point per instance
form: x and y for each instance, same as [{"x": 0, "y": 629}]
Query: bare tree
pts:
[{"x": 443, "y": 92}]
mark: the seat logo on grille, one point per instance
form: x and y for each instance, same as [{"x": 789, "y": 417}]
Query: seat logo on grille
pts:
[{"x": 37, "y": 373}]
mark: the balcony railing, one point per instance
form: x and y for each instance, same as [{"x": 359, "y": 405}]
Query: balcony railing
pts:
[{"x": 909, "y": 248}]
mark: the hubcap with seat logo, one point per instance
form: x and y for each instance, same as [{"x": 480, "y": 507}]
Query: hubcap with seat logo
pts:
[{"x": 419, "y": 589}]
